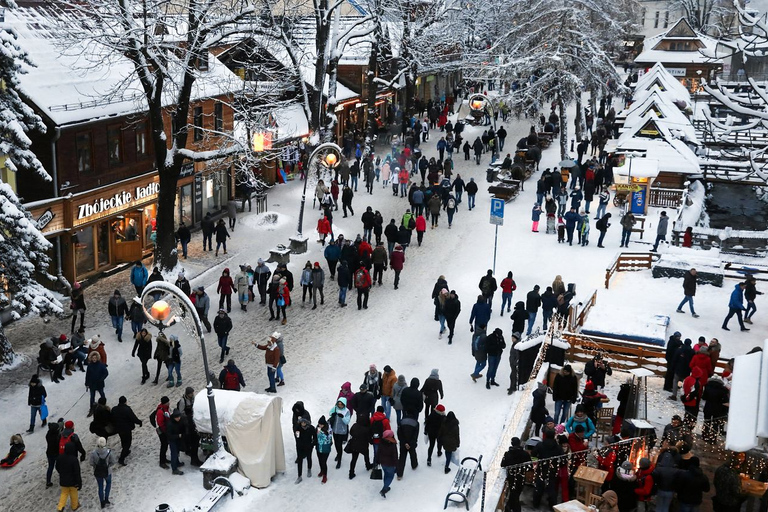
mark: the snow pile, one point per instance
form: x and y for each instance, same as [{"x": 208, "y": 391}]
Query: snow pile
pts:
[
  {"x": 685, "y": 261},
  {"x": 219, "y": 462},
  {"x": 643, "y": 328},
  {"x": 692, "y": 213},
  {"x": 240, "y": 484},
  {"x": 273, "y": 221}
]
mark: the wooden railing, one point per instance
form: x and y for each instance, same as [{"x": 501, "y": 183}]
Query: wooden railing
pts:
[
  {"x": 576, "y": 317},
  {"x": 622, "y": 355},
  {"x": 629, "y": 261},
  {"x": 665, "y": 197}
]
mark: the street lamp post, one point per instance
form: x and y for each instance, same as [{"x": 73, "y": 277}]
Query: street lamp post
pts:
[
  {"x": 162, "y": 315},
  {"x": 327, "y": 155},
  {"x": 481, "y": 103}
]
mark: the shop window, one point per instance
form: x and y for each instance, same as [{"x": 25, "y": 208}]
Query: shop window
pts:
[
  {"x": 84, "y": 250},
  {"x": 141, "y": 140},
  {"x": 202, "y": 61},
  {"x": 197, "y": 119},
  {"x": 150, "y": 223},
  {"x": 666, "y": 19},
  {"x": 114, "y": 145},
  {"x": 218, "y": 116},
  {"x": 84, "y": 152},
  {"x": 214, "y": 191},
  {"x": 102, "y": 241},
  {"x": 656, "y": 20}
]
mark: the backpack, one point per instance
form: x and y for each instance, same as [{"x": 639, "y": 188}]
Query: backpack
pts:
[
  {"x": 153, "y": 418},
  {"x": 451, "y": 203},
  {"x": 360, "y": 280},
  {"x": 231, "y": 381},
  {"x": 63, "y": 442},
  {"x": 377, "y": 429},
  {"x": 101, "y": 469},
  {"x": 411, "y": 223}
]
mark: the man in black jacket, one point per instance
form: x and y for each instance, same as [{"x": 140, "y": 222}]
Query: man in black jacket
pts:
[
  {"x": 363, "y": 402},
  {"x": 411, "y": 399},
  {"x": 532, "y": 305},
  {"x": 124, "y": 420},
  {"x": 546, "y": 480},
  {"x": 597, "y": 369},
  {"x": 183, "y": 236},
  {"x": 391, "y": 233},
  {"x": 471, "y": 189},
  {"x": 494, "y": 346},
  {"x": 408, "y": 433},
  {"x": 207, "y": 225},
  {"x": 674, "y": 343},
  {"x": 689, "y": 290},
  {"x": 681, "y": 365},
  {"x": 174, "y": 432},
  {"x": 515, "y": 478},
  {"x": 69, "y": 477}
]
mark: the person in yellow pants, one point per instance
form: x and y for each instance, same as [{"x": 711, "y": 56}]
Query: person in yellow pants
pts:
[{"x": 69, "y": 477}]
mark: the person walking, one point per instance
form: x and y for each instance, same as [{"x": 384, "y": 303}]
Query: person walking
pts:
[
  {"x": 142, "y": 346},
  {"x": 481, "y": 313},
  {"x": 535, "y": 216},
  {"x": 162, "y": 353},
  {"x": 222, "y": 325},
  {"x": 174, "y": 431},
  {"x": 449, "y": 436},
  {"x": 432, "y": 430},
  {"x": 221, "y": 236},
  {"x": 488, "y": 287},
  {"x": 139, "y": 276},
  {"x": 689, "y": 291},
  {"x": 750, "y": 293},
  {"x": 532, "y": 305},
  {"x": 241, "y": 282},
  {"x": 408, "y": 432},
  {"x": 202, "y": 305},
  {"x": 261, "y": 275},
  {"x": 602, "y": 226},
  {"x": 494, "y": 346},
  {"x": 346, "y": 200},
  {"x": 661, "y": 230},
  {"x": 324, "y": 435},
  {"x": 174, "y": 360},
  {"x": 451, "y": 308},
  {"x": 627, "y": 223},
  {"x": 224, "y": 289},
  {"x": 471, "y": 189},
  {"x": 379, "y": 259},
  {"x": 508, "y": 286},
  {"x": 604, "y": 198},
  {"x": 124, "y": 421},
  {"x": 338, "y": 418},
  {"x": 362, "y": 281},
  {"x": 345, "y": 283},
  {"x": 271, "y": 359},
  {"x": 95, "y": 376},
  {"x": 184, "y": 236},
  {"x": 396, "y": 263},
  {"x": 136, "y": 316},
  {"x": 388, "y": 458},
  {"x": 36, "y": 396},
  {"x": 571, "y": 219},
  {"x": 306, "y": 439},
  {"x": 318, "y": 281},
  {"x": 102, "y": 459},
  {"x": 360, "y": 438},
  {"x": 434, "y": 205},
  {"x": 70, "y": 480},
  {"x": 118, "y": 310},
  {"x": 430, "y": 389},
  {"x": 208, "y": 229},
  {"x": 231, "y": 378},
  {"x": 736, "y": 306}
]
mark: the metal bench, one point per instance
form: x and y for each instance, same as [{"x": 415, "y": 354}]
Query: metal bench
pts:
[
  {"x": 42, "y": 367},
  {"x": 462, "y": 483},
  {"x": 221, "y": 487}
]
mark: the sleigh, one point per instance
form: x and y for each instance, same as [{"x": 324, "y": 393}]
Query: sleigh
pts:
[{"x": 6, "y": 465}]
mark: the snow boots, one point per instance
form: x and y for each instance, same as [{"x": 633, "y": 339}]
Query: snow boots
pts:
[{"x": 170, "y": 382}]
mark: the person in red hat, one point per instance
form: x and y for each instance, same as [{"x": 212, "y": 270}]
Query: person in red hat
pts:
[{"x": 592, "y": 400}]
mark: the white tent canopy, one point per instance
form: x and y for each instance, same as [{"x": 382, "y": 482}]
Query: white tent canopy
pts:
[{"x": 251, "y": 424}]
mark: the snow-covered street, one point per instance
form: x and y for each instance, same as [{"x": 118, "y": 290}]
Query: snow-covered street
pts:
[{"x": 329, "y": 346}]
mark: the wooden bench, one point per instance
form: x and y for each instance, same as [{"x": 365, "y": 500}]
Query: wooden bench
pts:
[
  {"x": 221, "y": 487},
  {"x": 462, "y": 483},
  {"x": 641, "y": 229},
  {"x": 507, "y": 190}
]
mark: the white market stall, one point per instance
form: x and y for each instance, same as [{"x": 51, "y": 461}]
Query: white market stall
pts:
[
  {"x": 251, "y": 424},
  {"x": 748, "y": 412}
]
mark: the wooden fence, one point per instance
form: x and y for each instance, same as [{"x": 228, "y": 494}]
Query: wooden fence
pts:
[
  {"x": 665, "y": 197},
  {"x": 576, "y": 317},
  {"x": 629, "y": 261}
]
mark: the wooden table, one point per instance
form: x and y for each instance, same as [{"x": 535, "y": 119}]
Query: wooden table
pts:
[
  {"x": 588, "y": 481},
  {"x": 570, "y": 506}
]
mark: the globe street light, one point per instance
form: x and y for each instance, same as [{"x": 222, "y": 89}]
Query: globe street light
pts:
[
  {"x": 175, "y": 307},
  {"x": 480, "y": 103},
  {"x": 326, "y": 156}
]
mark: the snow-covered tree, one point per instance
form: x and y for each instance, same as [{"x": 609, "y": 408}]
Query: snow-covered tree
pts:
[
  {"x": 550, "y": 51},
  {"x": 713, "y": 17},
  {"x": 23, "y": 248}
]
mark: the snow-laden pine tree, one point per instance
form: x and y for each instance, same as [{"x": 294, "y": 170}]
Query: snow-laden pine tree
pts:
[
  {"x": 549, "y": 52},
  {"x": 23, "y": 248}
]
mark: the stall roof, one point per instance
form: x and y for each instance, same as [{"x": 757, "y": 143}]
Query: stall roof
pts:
[
  {"x": 680, "y": 31},
  {"x": 668, "y": 114},
  {"x": 673, "y": 156},
  {"x": 641, "y": 168},
  {"x": 658, "y": 74},
  {"x": 291, "y": 123}
]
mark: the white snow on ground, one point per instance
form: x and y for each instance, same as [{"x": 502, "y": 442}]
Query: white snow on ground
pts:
[{"x": 329, "y": 346}]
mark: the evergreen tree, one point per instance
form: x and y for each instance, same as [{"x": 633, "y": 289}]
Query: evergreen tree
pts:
[{"x": 23, "y": 256}]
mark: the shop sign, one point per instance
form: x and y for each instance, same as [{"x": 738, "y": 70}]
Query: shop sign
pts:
[
  {"x": 45, "y": 219},
  {"x": 103, "y": 206},
  {"x": 624, "y": 187},
  {"x": 676, "y": 71}
]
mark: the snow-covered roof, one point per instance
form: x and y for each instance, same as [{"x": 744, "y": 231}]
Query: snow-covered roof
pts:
[
  {"x": 673, "y": 156},
  {"x": 658, "y": 76},
  {"x": 680, "y": 31},
  {"x": 640, "y": 168},
  {"x": 291, "y": 123},
  {"x": 68, "y": 87},
  {"x": 668, "y": 114}
]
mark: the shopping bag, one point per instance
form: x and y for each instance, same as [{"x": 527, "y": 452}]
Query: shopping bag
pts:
[
  {"x": 43, "y": 410},
  {"x": 376, "y": 473}
]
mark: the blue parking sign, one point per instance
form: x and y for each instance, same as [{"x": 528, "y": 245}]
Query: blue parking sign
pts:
[{"x": 497, "y": 211}]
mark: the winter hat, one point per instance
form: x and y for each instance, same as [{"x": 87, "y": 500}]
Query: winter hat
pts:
[
  {"x": 322, "y": 421},
  {"x": 440, "y": 408},
  {"x": 226, "y": 270},
  {"x": 434, "y": 374},
  {"x": 283, "y": 281},
  {"x": 372, "y": 367},
  {"x": 222, "y": 310},
  {"x": 122, "y": 400},
  {"x": 276, "y": 335},
  {"x": 242, "y": 267},
  {"x": 201, "y": 288},
  {"x": 231, "y": 363},
  {"x": 677, "y": 334},
  {"x": 388, "y": 433},
  {"x": 181, "y": 275},
  {"x": 69, "y": 424},
  {"x": 626, "y": 466},
  {"x": 165, "y": 400},
  {"x": 48, "y": 343},
  {"x": 645, "y": 463},
  {"x": 677, "y": 417},
  {"x": 260, "y": 261},
  {"x": 101, "y": 442},
  {"x": 687, "y": 341},
  {"x": 589, "y": 386},
  {"x": 549, "y": 419},
  {"x": 317, "y": 264},
  {"x": 189, "y": 390},
  {"x": 515, "y": 441},
  {"x": 363, "y": 387},
  {"x": 387, "y": 368},
  {"x": 63, "y": 337},
  {"x": 176, "y": 414},
  {"x": 559, "y": 429},
  {"x": 703, "y": 349}
]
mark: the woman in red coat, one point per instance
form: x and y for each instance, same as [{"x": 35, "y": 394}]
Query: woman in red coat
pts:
[
  {"x": 421, "y": 227},
  {"x": 703, "y": 362},
  {"x": 324, "y": 228},
  {"x": 225, "y": 290},
  {"x": 283, "y": 299},
  {"x": 396, "y": 262}
]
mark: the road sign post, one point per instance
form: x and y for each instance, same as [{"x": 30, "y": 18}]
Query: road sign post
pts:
[{"x": 497, "y": 219}]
